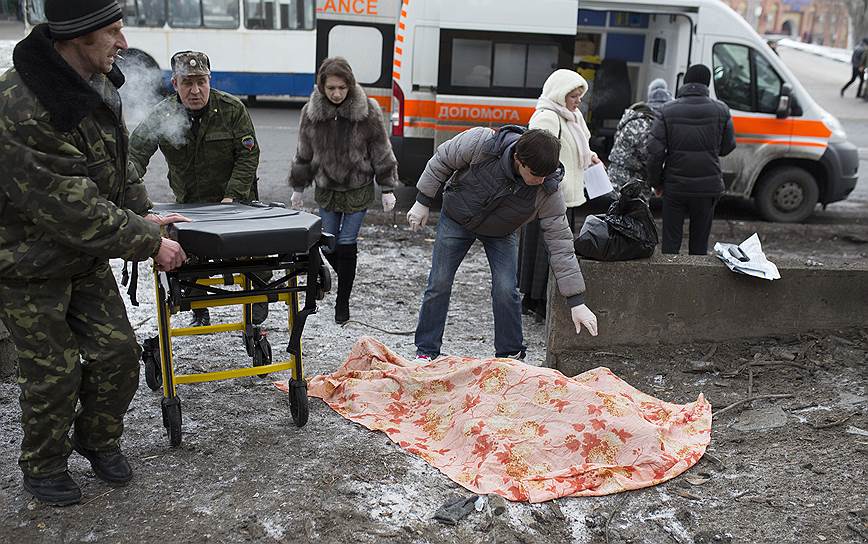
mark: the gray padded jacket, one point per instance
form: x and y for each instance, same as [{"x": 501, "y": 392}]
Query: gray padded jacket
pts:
[{"x": 474, "y": 169}]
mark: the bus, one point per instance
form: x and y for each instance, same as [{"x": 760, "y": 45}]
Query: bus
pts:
[
  {"x": 257, "y": 47},
  {"x": 460, "y": 64}
]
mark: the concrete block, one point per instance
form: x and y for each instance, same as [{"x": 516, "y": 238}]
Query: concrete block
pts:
[{"x": 678, "y": 299}]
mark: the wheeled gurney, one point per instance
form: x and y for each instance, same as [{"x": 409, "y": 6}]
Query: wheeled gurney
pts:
[{"x": 237, "y": 246}]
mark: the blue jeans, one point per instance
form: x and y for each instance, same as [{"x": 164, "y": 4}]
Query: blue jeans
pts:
[
  {"x": 344, "y": 226},
  {"x": 451, "y": 245}
]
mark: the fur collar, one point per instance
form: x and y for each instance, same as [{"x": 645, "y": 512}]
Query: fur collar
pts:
[
  {"x": 67, "y": 97},
  {"x": 354, "y": 107}
]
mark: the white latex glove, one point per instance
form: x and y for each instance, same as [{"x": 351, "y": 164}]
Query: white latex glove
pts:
[
  {"x": 297, "y": 200},
  {"x": 388, "y": 202},
  {"x": 417, "y": 216},
  {"x": 582, "y": 315}
]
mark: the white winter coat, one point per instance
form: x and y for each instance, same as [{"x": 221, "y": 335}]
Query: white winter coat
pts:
[{"x": 559, "y": 84}]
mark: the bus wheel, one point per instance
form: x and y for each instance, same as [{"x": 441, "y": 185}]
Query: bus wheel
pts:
[{"x": 787, "y": 195}]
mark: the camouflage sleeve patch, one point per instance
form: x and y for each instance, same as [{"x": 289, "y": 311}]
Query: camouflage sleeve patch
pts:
[{"x": 249, "y": 142}]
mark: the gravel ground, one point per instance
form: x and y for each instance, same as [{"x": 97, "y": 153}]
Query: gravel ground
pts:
[{"x": 244, "y": 472}]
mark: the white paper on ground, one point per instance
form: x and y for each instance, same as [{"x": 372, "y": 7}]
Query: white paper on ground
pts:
[
  {"x": 597, "y": 181},
  {"x": 758, "y": 265}
]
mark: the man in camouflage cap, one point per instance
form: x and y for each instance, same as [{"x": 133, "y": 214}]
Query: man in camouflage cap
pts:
[
  {"x": 67, "y": 208},
  {"x": 209, "y": 143}
]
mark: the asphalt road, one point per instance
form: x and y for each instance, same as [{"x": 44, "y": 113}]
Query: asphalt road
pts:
[{"x": 277, "y": 125}]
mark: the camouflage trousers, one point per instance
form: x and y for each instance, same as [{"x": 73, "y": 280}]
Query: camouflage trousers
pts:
[{"x": 78, "y": 364}]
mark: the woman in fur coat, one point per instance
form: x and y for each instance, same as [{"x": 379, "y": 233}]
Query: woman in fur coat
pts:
[
  {"x": 342, "y": 149},
  {"x": 557, "y": 111}
]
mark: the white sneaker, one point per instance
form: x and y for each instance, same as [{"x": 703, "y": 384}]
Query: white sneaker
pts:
[{"x": 422, "y": 359}]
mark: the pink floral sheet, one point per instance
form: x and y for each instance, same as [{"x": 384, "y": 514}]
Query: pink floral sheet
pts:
[{"x": 523, "y": 432}]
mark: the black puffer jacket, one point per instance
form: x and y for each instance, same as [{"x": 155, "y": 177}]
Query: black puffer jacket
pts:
[{"x": 686, "y": 140}]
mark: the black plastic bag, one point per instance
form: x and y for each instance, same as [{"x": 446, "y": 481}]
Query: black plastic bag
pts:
[{"x": 627, "y": 231}]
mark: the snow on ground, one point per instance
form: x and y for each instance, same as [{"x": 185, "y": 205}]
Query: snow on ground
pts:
[
  {"x": 841, "y": 55},
  {"x": 6, "y": 47}
]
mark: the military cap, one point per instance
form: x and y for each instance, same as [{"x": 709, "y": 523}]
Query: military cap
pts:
[{"x": 191, "y": 63}]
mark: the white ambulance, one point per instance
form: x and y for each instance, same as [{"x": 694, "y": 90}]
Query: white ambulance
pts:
[{"x": 459, "y": 64}]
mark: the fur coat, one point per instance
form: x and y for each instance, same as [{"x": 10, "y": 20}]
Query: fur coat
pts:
[{"x": 343, "y": 147}]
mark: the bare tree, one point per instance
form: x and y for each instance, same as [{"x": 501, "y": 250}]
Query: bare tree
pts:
[{"x": 859, "y": 16}]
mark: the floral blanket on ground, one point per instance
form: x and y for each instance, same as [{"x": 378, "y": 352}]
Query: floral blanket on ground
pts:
[{"x": 523, "y": 432}]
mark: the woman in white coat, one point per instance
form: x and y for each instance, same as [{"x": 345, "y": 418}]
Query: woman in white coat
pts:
[{"x": 557, "y": 111}]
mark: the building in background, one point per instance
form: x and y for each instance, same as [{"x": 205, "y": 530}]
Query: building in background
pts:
[{"x": 824, "y": 22}]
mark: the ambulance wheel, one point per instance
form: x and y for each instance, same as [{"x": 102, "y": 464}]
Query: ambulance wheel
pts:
[
  {"x": 787, "y": 195},
  {"x": 153, "y": 371},
  {"x": 298, "y": 405},
  {"x": 262, "y": 354},
  {"x": 324, "y": 279},
  {"x": 172, "y": 420}
]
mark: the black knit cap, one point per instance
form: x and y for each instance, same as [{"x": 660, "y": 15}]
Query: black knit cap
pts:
[
  {"x": 698, "y": 73},
  {"x": 68, "y": 19}
]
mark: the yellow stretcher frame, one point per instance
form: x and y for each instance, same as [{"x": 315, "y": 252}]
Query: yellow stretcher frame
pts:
[{"x": 286, "y": 289}]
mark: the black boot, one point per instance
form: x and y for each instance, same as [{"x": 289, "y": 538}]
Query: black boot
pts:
[
  {"x": 201, "y": 318},
  {"x": 57, "y": 490},
  {"x": 347, "y": 256},
  {"x": 111, "y": 466}
]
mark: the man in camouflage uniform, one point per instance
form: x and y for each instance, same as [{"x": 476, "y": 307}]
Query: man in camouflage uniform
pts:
[
  {"x": 629, "y": 153},
  {"x": 66, "y": 207},
  {"x": 209, "y": 143}
]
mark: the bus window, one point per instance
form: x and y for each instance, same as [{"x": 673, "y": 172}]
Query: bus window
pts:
[
  {"x": 279, "y": 14},
  {"x": 144, "y": 12},
  {"x": 744, "y": 79},
  {"x": 208, "y": 13}
]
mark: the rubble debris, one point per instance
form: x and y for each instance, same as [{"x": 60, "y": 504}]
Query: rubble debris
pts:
[{"x": 456, "y": 508}]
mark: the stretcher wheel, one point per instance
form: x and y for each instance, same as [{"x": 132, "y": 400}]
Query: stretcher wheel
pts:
[
  {"x": 298, "y": 405},
  {"x": 172, "y": 420},
  {"x": 151, "y": 360},
  {"x": 153, "y": 372},
  {"x": 324, "y": 280},
  {"x": 262, "y": 354}
]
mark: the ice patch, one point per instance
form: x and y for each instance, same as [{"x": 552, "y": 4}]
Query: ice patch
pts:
[
  {"x": 576, "y": 509},
  {"x": 273, "y": 529}
]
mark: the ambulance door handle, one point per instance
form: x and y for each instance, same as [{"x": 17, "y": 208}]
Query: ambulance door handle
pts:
[{"x": 425, "y": 88}]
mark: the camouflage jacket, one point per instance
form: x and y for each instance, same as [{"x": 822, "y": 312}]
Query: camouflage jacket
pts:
[
  {"x": 629, "y": 154},
  {"x": 218, "y": 161},
  {"x": 65, "y": 201}
]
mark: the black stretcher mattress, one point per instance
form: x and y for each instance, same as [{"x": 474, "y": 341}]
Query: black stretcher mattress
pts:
[{"x": 240, "y": 230}]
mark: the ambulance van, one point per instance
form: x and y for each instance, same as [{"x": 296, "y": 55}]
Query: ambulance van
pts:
[{"x": 459, "y": 64}]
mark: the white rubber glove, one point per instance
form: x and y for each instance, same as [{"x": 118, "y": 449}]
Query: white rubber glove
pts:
[
  {"x": 388, "y": 202},
  {"x": 297, "y": 200},
  {"x": 417, "y": 216},
  {"x": 582, "y": 315}
]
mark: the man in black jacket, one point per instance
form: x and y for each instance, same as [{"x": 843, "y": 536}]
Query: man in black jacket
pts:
[{"x": 684, "y": 147}]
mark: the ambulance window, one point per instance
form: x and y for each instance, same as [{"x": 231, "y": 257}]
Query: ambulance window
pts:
[
  {"x": 731, "y": 64},
  {"x": 509, "y": 64},
  {"x": 744, "y": 79},
  {"x": 542, "y": 60},
  {"x": 471, "y": 62},
  {"x": 659, "y": 51},
  {"x": 356, "y": 44},
  {"x": 768, "y": 85}
]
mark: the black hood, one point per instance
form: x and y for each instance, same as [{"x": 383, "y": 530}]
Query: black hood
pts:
[{"x": 67, "y": 97}]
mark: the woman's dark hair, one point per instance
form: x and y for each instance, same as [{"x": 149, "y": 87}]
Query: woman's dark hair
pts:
[
  {"x": 539, "y": 150},
  {"x": 335, "y": 66}
]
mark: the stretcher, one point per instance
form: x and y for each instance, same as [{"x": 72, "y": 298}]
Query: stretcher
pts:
[{"x": 231, "y": 250}]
